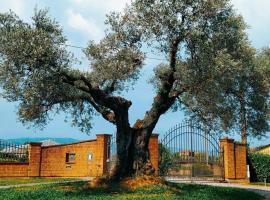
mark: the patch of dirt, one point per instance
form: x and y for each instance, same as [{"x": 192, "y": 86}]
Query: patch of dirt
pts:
[
  {"x": 100, "y": 182},
  {"x": 142, "y": 181}
]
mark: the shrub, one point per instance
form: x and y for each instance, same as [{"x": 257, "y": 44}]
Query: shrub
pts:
[
  {"x": 165, "y": 158},
  {"x": 259, "y": 167}
]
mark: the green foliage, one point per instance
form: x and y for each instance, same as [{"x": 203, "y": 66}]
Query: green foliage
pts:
[
  {"x": 32, "y": 57},
  {"x": 263, "y": 65},
  {"x": 259, "y": 164},
  {"x": 240, "y": 102},
  {"x": 76, "y": 191},
  {"x": 13, "y": 157},
  {"x": 165, "y": 158}
]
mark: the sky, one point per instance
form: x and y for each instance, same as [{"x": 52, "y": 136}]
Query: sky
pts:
[{"x": 83, "y": 20}]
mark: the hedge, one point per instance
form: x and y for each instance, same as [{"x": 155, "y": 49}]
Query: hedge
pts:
[{"x": 259, "y": 167}]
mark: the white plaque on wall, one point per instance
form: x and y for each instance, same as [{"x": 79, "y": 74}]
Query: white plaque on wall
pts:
[{"x": 90, "y": 156}]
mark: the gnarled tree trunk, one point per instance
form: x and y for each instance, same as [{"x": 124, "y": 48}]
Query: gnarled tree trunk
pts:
[{"x": 132, "y": 153}]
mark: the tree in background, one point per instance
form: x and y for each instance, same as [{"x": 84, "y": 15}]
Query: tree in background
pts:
[
  {"x": 241, "y": 103},
  {"x": 252, "y": 95},
  {"x": 199, "y": 39}
]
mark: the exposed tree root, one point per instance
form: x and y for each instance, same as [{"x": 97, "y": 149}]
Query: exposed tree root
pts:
[{"x": 131, "y": 183}]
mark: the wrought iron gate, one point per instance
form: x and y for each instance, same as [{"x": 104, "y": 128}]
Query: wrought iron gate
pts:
[
  {"x": 111, "y": 153},
  {"x": 189, "y": 152}
]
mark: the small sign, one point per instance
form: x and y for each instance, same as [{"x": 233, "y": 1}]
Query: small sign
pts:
[{"x": 90, "y": 156}]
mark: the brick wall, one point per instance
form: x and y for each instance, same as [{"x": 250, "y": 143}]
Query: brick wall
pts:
[
  {"x": 54, "y": 163},
  {"x": 51, "y": 161},
  {"x": 14, "y": 169}
]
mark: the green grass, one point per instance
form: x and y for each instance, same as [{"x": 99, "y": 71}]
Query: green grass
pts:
[
  {"x": 17, "y": 181},
  {"x": 76, "y": 191}
]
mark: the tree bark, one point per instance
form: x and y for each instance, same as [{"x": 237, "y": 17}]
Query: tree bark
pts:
[
  {"x": 243, "y": 122},
  {"x": 132, "y": 152},
  {"x": 243, "y": 115}
]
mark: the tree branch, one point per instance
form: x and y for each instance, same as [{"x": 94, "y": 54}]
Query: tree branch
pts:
[
  {"x": 106, "y": 105},
  {"x": 106, "y": 113},
  {"x": 163, "y": 101}
]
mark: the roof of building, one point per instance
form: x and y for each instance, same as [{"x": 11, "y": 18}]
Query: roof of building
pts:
[
  {"x": 49, "y": 142},
  {"x": 262, "y": 147}
]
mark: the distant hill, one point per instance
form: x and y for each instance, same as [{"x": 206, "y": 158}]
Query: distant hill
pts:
[{"x": 57, "y": 140}]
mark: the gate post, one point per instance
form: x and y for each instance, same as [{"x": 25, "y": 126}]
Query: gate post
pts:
[
  {"x": 227, "y": 146},
  {"x": 102, "y": 153},
  {"x": 34, "y": 159},
  {"x": 153, "y": 151},
  {"x": 235, "y": 160}
]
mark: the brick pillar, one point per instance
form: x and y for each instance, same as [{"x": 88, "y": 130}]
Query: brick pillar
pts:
[
  {"x": 241, "y": 161},
  {"x": 34, "y": 159},
  {"x": 102, "y": 145},
  {"x": 235, "y": 160},
  {"x": 153, "y": 151},
  {"x": 227, "y": 145}
]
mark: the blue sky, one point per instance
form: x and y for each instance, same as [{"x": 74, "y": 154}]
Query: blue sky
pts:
[{"x": 82, "y": 20}]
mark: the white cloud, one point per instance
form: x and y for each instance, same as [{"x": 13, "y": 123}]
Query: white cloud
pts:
[
  {"x": 256, "y": 14},
  {"x": 86, "y": 26},
  {"x": 252, "y": 10},
  {"x": 88, "y": 16},
  {"x": 103, "y": 5},
  {"x": 18, "y": 6}
]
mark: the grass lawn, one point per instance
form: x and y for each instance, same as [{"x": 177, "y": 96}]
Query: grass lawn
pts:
[
  {"x": 16, "y": 181},
  {"x": 74, "y": 191}
]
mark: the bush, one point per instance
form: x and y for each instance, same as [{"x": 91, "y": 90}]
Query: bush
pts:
[
  {"x": 165, "y": 159},
  {"x": 259, "y": 167}
]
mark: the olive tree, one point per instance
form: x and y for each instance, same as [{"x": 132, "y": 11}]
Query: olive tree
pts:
[
  {"x": 241, "y": 102},
  {"x": 198, "y": 38}
]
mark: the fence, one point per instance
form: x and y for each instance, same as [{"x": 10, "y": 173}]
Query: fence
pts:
[
  {"x": 112, "y": 154},
  {"x": 10, "y": 152}
]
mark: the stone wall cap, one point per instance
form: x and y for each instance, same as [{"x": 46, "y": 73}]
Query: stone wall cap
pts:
[
  {"x": 154, "y": 135},
  {"x": 35, "y": 143},
  {"x": 241, "y": 144},
  {"x": 79, "y": 142},
  {"x": 226, "y": 139},
  {"x": 103, "y": 134}
]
